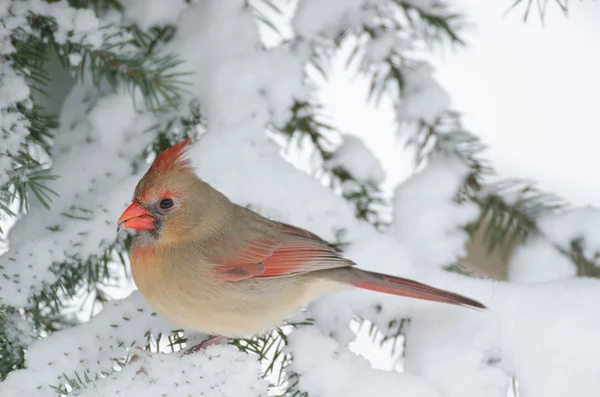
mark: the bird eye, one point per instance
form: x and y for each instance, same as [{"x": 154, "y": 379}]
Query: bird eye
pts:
[{"x": 166, "y": 203}]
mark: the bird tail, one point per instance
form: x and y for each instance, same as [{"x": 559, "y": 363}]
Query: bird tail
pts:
[{"x": 403, "y": 287}]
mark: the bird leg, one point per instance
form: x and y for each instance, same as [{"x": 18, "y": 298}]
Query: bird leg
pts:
[{"x": 203, "y": 344}]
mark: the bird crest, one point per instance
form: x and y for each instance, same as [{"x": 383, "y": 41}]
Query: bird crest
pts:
[{"x": 171, "y": 158}]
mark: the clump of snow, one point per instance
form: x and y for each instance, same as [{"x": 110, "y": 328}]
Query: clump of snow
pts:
[
  {"x": 73, "y": 24},
  {"x": 19, "y": 332},
  {"x": 571, "y": 225},
  {"x": 14, "y": 126},
  {"x": 338, "y": 372},
  {"x": 548, "y": 337},
  {"x": 538, "y": 261},
  {"x": 327, "y": 17},
  {"x": 422, "y": 97},
  {"x": 75, "y": 59},
  {"x": 218, "y": 371},
  {"x": 426, "y": 213},
  {"x": 457, "y": 350},
  {"x": 153, "y": 13},
  {"x": 88, "y": 347},
  {"x": 358, "y": 160},
  {"x": 13, "y": 87},
  {"x": 382, "y": 46}
]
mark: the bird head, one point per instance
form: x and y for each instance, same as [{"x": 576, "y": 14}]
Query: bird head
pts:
[{"x": 161, "y": 207}]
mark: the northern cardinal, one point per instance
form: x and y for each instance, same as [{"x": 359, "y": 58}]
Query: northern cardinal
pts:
[{"x": 210, "y": 265}]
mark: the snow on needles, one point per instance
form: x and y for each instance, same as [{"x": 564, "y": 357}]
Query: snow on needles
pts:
[
  {"x": 221, "y": 371},
  {"x": 535, "y": 331},
  {"x": 422, "y": 97},
  {"x": 539, "y": 260},
  {"x": 339, "y": 373},
  {"x": 354, "y": 157},
  {"x": 425, "y": 212}
]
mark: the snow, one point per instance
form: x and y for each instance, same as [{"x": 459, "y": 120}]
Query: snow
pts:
[
  {"x": 535, "y": 331},
  {"x": 354, "y": 157},
  {"x": 153, "y": 13},
  {"x": 14, "y": 127},
  {"x": 86, "y": 348},
  {"x": 72, "y": 26},
  {"x": 551, "y": 346},
  {"x": 425, "y": 211},
  {"x": 540, "y": 260},
  {"x": 574, "y": 224},
  {"x": 382, "y": 46},
  {"x": 422, "y": 97},
  {"x": 315, "y": 17},
  {"x": 93, "y": 193},
  {"x": 75, "y": 59},
  {"x": 347, "y": 374},
  {"x": 78, "y": 25},
  {"x": 220, "y": 371}
]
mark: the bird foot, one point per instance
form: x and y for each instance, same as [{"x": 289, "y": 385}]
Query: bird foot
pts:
[
  {"x": 141, "y": 355},
  {"x": 203, "y": 344}
]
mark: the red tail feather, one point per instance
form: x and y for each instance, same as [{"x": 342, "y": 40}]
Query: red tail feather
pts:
[{"x": 403, "y": 287}]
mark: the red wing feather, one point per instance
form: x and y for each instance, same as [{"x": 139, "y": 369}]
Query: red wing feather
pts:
[{"x": 298, "y": 251}]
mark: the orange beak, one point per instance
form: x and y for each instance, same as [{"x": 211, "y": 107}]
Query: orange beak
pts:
[{"x": 136, "y": 217}]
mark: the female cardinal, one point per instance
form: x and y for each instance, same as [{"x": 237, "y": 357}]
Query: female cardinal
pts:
[{"x": 210, "y": 265}]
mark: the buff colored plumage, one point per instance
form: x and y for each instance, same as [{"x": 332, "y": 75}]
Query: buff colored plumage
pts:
[{"x": 210, "y": 265}]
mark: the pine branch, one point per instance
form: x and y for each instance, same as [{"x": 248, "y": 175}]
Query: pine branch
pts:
[
  {"x": 121, "y": 62},
  {"x": 542, "y": 7},
  {"x": 509, "y": 208},
  {"x": 586, "y": 267},
  {"x": 99, "y": 6},
  {"x": 261, "y": 10},
  {"x": 509, "y": 211},
  {"x": 366, "y": 197},
  {"x": 270, "y": 349},
  {"x": 436, "y": 22},
  {"x": 28, "y": 178}
]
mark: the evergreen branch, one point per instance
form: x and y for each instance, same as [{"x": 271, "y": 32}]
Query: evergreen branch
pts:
[
  {"x": 99, "y": 6},
  {"x": 542, "y": 7},
  {"x": 149, "y": 40},
  {"x": 396, "y": 330},
  {"x": 28, "y": 178},
  {"x": 509, "y": 211},
  {"x": 509, "y": 208},
  {"x": 257, "y": 7},
  {"x": 270, "y": 349},
  {"x": 29, "y": 59},
  {"x": 366, "y": 197},
  {"x": 120, "y": 61},
  {"x": 586, "y": 267},
  {"x": 12, "y": 352},
  {"x": 437, "y": 22},
  {"x": 27, "y": 175}
]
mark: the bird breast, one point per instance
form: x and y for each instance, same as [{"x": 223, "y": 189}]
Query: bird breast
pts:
[{"x": 188, "y": 296}]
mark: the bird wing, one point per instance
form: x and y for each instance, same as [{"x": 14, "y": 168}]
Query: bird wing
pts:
[{"x": 296, "y": 251}]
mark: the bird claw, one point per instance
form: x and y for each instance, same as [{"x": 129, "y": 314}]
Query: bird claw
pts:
[
  {"x": 203, "y": 344},
  {"x": 141, "y": 355}
]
